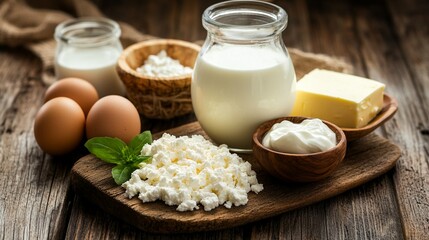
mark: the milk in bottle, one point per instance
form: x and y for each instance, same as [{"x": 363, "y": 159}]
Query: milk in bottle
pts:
[{"x": 243, "y": 75}]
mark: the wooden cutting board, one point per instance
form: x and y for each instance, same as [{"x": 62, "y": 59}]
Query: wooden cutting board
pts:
[{"x": 366, "y": 159}]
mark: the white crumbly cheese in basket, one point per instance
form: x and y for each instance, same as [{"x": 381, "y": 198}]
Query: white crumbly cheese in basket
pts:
[
  {"x": 188, "y": 171},
  {"x": 161, "y": 65}
]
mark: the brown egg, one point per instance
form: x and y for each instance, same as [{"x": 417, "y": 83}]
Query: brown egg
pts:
[
  {"x": 77, "y": 89},
  {"x": 59, "y": 126},
  {"x": 113, "y": 116}
]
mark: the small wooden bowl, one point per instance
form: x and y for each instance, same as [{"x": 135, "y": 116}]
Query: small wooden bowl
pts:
[
  {"x": 298, "y": 167},
  {"x": 158, "y": 97},
  {"x": 390, "y": 106}
]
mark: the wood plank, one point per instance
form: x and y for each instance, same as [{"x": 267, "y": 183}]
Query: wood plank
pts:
[
  {"x": 188, "y": 22},
  {"x": 318, "y": 222},
  {"x": 366, "y": 159},
  {"x": 404, "y": 66},
  {"x": 297, "y": 33},
  {"x": 93, "y": 223},
  {"x": 333, "y": 33},
  {"x": 410, "y": 20},
  {"x": 34, "y": 187}
]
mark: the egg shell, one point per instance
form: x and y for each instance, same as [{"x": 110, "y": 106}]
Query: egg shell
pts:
[
  {"x": 113, "y": 116},
  {"x": 81, "y": 91},
  {"x": 59, "y": 126}
]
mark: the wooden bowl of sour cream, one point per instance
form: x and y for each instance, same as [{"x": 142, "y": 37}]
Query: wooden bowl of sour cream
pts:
[
  {"x": 158, "y": 97},
  {"x": 292, "y": 167}
]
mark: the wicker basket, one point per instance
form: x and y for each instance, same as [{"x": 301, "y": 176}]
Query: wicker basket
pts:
[{"x": 158, "y": 97}]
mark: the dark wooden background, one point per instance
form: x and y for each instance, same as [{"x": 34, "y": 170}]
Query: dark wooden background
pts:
[{"x": 384, "y": 40}]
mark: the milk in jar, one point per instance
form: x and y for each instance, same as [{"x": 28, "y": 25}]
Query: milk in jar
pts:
[
  {"x": 97, "y": 65},
  {"x": 88, "y": 48},
  {"x": 243, "y": 75},
  {"x": 236, "y": 88}
]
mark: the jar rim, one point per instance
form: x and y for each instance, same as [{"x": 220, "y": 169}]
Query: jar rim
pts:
[
  {"x": 87, "y": 31},
  {"x": 244, "y": 16}
]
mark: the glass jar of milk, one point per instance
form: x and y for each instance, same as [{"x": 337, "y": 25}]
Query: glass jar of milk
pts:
[
  {"x": 243, "y": 75},
  {"x": 89, "y": 48}
]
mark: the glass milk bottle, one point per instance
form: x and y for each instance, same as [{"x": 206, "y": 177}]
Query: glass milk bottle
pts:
[
  {"x": 89, "y": 48},
  {"x": 243, "y": 75}
]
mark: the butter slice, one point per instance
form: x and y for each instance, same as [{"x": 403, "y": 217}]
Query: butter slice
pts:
[{"x": 345, "y": 100}]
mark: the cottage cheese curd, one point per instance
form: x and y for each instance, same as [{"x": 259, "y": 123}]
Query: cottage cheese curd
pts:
[
  {"x": 161, "y": 65},
  {"x": 188, "y": 171}
]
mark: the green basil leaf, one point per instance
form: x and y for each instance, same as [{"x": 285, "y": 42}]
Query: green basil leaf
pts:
[
  {"x": 137, "y": 143},
  {"x": 114, "y": 150},
  {"x": 108, "y": 149},
  {"x": 138, "y": 159},
  {"x": 122, "y": 173}
]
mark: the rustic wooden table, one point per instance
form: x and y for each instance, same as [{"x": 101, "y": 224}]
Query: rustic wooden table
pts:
[{"x": 383, "y": 40}]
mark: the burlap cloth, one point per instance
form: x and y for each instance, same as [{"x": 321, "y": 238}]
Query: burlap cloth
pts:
[{"x": 21, "y": 25}]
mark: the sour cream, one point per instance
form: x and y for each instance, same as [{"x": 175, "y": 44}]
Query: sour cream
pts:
[{"x": 309, "y": 136}]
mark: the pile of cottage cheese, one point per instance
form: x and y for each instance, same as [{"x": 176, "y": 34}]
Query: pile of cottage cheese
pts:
[
  {"x": 161, "y": 65},
  {"x": 188, "y": 171}
]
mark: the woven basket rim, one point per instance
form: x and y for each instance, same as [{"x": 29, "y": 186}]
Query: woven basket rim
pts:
[{"x": 122, "y": 63}]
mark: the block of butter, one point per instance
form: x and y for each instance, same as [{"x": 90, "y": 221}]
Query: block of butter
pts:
[{"x": 345, "y": 100}]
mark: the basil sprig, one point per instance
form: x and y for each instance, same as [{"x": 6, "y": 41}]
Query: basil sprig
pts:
[{"x": 126, "y": 157}]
